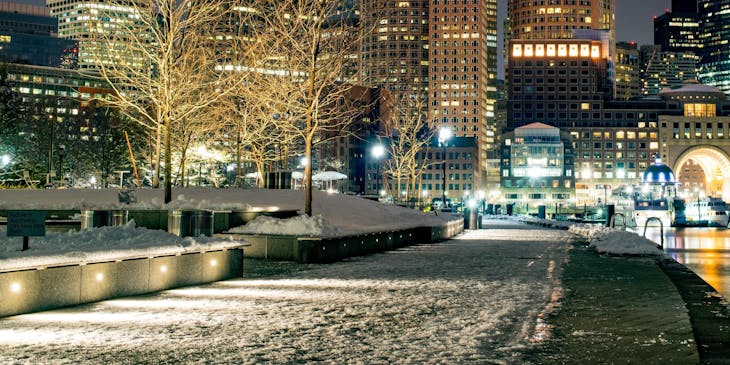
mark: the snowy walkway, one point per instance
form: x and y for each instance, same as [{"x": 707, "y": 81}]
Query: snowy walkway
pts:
[{"x": 476, "y": 299}]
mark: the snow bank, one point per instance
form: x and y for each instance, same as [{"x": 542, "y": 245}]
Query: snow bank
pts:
[
  {"x": 604, "y": 239},
  {"x": 296, "y": 226},
  {"x": 99, "y": 244},
  {"x": 619, "y": 242}
]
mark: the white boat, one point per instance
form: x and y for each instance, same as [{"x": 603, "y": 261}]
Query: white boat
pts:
[
  {"x": 710, "y": 212},
  {"x": 646, "y": 208}
]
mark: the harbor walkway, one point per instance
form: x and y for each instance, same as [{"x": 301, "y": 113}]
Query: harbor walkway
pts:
[{"x": 507, "y": 294}]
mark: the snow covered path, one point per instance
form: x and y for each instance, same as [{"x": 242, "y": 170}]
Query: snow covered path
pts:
[{"x": 475, "y": 299}]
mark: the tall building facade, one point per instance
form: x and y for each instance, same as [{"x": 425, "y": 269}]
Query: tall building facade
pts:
[
  {"x": 556, "y": 82},
  {"x": 668, "y": 69},
  {"x": 628, "y": 71},
  {"x": 678, "y": 30},
  {"x": 557, "y": 19},
  {"x": 442, "y": 53},
  {"x": 83, "y": 21},
  {"x": 29, "y": 35},
  {"x": 395, "y": 52},
  {"x": 714, "y": 67},
  {"x": 463, "y": 72}
]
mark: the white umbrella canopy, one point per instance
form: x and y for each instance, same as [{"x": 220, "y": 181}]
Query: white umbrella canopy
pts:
[{"x": 328, "y": 176}]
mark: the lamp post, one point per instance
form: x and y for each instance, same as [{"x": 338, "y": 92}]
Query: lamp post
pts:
[
  {"x": 377, "y": 151},
  {"x": 444, "y": 135},
  {"x": 61, "y": 152}
]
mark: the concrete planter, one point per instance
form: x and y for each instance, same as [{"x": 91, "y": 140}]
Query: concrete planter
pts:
[
  {"x": 39, "y": 289},
  {"x": 329, "y": 249}
]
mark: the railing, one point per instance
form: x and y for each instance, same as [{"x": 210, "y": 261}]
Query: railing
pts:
[
  {"x": 661, "y": 229},
  {"x": 612, "y": 223}
]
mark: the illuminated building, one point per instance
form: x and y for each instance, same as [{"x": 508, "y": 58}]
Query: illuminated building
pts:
[
  {"x": 442, "y": 52},
  {"x": 668, "y": 69},
  {"x": 463, "y": 73},
  {"x": 28, "y": 35},
  {"x": 714, "y": 34},
  {"x": 628, "y": 80},
  {"x": 83, "y": 20},
  {"x": 537, "y": 166},
  {"x": 557, "y": 82},
  {"x": 395, "y": 53},
  {"x": 557, "y": 19},
  {"x": 678, "y": 30}
]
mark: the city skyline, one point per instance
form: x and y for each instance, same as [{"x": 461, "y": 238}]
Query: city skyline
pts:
[{"x": 633, "y": 19}]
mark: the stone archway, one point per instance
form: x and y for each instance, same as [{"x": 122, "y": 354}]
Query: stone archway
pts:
[{"x": 714, "y": 162}]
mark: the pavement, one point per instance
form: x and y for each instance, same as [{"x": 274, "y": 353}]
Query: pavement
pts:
[
  {"x": 623, "y": 310},
  {"x": 510, "y": 293}
]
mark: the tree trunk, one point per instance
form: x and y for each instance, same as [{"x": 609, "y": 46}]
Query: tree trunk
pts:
[
  {"x": 158, "y": 149},
  {"x": 308, "y": 176},
  {"x": 239, "y": 168},
  {"x": 168, "y": 161}
]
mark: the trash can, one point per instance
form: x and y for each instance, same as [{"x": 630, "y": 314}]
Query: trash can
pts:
[
  {"x": 190, "y": 223},
  {"x": 473, "y": 219},
  {"x": 102, "y": 218},
  {"x": 470, "y": 218}
]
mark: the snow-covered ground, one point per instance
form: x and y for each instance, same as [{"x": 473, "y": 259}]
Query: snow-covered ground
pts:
[
  {"x": 602, "y": 239},
  {"x": 480, "y": 298},
  {"x": 334, "y": 214},
  {"x": 350, "y": 214}
]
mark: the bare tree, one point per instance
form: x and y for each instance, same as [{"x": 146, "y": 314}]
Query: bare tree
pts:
[
  {"x": 164, "y": 66},
  {"x": 408, "y": 135},
  {"x": 311, "y": 46},
  {"x": 251, "y": 130}
]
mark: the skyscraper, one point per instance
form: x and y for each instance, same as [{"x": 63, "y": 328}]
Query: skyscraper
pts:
[
  {"x": 29, "y": 35},
  {"x": 463, "y": 70},
  {"x": 83, "y": 21},
  {"x": 395, "y": 52},
  {"x": 443, "y": 53},
  {"x": 678, "y": 30},
  {"x": 628, "y": 80},
  {"x": 715, "y": 53},
  {"x": 556, "y": 19}
]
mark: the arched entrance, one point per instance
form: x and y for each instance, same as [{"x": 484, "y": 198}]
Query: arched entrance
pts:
[{"x": 715, "y": 165}]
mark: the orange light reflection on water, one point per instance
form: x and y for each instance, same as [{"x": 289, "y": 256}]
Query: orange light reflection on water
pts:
[{"x": 706, "y": 251}]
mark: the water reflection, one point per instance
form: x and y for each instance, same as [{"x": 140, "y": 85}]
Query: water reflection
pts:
[{"x": 706, "y": 251}]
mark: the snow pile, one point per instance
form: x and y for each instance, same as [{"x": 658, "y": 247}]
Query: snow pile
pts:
[
  {"x": 99, "y": 244},
  {"x": 604, "y": 239},
  {"x": 302, "y": 225},
  {"x": 617, "y": 242}
]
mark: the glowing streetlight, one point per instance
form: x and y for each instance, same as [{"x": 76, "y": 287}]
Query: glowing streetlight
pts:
[{"x": 378, "y": 151}]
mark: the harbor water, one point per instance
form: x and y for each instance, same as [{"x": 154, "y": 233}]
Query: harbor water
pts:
[{"x": 706, "y": 251}]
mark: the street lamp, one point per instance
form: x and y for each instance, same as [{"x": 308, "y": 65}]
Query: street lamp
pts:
[
  {"x": 377, "y": 151},
  {"x": 61, "y": 153},
  {"x": 444, "y": 135}
]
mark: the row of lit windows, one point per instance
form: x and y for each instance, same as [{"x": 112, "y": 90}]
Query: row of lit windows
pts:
[
  {"x": 532, "y": 183},
  {"x": 611, "y": 145},
  {"x": 455, "y": 10},
  {"x": 597, "y": 135},
  {"x": 553, "y": 50}
]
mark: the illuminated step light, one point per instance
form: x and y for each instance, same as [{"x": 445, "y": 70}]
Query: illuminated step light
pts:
[
  {"x": 99, "y": 276},
  {"x": 163, "y": 268},
  {"x": 213, "y": 262},
  {"x": 15, "y": 287}
]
